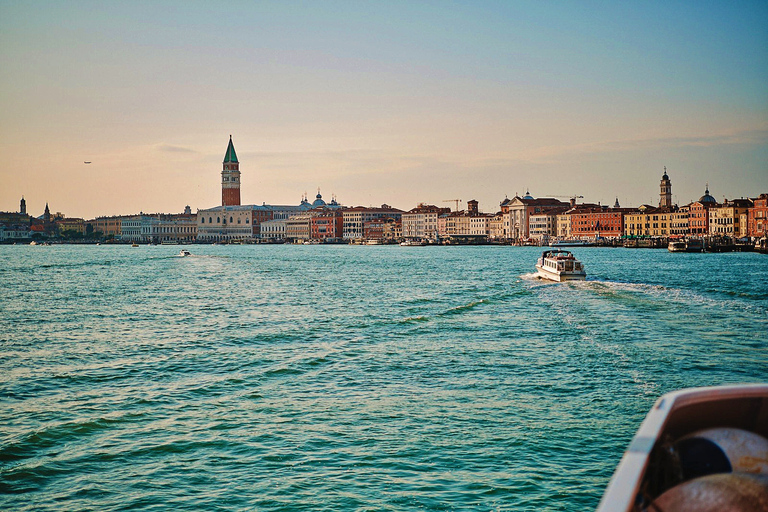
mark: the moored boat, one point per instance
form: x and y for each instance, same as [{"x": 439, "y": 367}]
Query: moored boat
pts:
[
  {"x": 694, "y": 245},
  {"x": 558, "y": 265},
  {"x": 697, "y": 449},
  {"x": 569, "y": 243},
  {"x": 677, "y": 246},
  {"x": 413, "y": 243}
]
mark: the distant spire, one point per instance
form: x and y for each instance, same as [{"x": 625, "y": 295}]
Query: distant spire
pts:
[{"x": 230, "y": 155}]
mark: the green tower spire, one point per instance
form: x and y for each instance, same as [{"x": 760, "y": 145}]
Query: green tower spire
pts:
[{"x": 230, "y": 156}]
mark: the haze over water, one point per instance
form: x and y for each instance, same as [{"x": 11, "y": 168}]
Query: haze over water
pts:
[{"x": 350, "y": 377}]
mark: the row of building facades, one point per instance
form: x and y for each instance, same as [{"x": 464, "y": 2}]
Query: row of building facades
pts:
[{"x": 518, "y": 220}]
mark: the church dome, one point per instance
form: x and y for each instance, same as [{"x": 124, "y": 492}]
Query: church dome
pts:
[
  {"x": 318, "y": 202},
  {"x": 527, "y": 195},
  {"x": 706, "y": 198}
]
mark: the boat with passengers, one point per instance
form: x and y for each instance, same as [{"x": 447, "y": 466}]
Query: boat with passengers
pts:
[{"x": 558, "y": 265}]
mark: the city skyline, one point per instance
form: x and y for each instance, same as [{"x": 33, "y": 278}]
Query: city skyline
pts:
[{"x": 398, "y": 104}]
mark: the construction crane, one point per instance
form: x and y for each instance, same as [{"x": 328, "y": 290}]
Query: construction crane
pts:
[{"x": 457, "y": 201}]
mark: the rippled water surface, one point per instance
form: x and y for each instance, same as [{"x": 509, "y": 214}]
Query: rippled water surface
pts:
[{"x": 350, "y": 377}]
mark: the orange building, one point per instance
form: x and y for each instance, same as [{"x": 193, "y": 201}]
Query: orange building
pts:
[
  {"x": 698, "y": 214},
  {"x": 326, "y": 224},
  {"x": 597, "y": 222},
  {"x": 757, "y": 219}
]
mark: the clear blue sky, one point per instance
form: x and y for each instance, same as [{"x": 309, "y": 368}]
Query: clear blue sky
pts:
[{"x": 396, "y": 102}]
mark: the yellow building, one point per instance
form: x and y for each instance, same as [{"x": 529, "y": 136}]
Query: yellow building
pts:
[
  {"x": 726, "y": 220},
  {"x": 649, "y": 221}
]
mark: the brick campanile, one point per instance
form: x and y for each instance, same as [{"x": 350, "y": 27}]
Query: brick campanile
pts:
[{"x": 230, "y": 178}]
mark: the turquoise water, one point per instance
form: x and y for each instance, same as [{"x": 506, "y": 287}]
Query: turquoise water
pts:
[{"x": 350, "y": 377}]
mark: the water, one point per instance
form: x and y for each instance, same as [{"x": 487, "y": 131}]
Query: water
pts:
[{"x": 350, "y": 377}]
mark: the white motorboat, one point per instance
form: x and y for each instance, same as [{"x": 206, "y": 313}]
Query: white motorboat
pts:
[
  {"x": 677, "y": 246},
  {"x": 185, "y": 252},
  {"x": 569, "y": 243},
  {"x": 697, "y": 449},
  {"x": 413, "y": 243},
  {"x": 558, "y": 265}
]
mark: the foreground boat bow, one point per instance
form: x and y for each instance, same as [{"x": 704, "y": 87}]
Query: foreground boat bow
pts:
[{"x": 693, "y": 446}]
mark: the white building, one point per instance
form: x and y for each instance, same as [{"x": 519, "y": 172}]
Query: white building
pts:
[{"x": 421, "y": 222}]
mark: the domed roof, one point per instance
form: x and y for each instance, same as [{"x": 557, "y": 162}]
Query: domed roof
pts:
[
  {"x": 318, "y": 200},
  {"x": 706, "y": 198},
  {"x": 527, "y": 195}
]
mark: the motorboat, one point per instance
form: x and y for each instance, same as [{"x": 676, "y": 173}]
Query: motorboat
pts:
[
  {"x": 677, "y": 246},
  {"x": 701, "y": 449},
  {"x": 558, "y": 265},
  {"x": 185, "y": 252},
  {"x": 569, "y": 243},
  {"x": 413, "y": 243}
]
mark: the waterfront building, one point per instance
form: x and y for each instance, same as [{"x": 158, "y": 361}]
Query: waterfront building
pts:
[
  {"x": 648, "y": 221},
  {"x": 564, "y": 225},
  {"x": 231, "y": 223},
  {"x": 74, "y": 225},
  {"x": 355, "y": 219},
  {"x": 726, "y": 219},
  {"x": 520, "y": 208},
  {"x": 698, "y": 214},
  {"x": 230, "y": 177},
  {"x": 387, "y": 229},
  {"x": 15, "y": 233},
  {"x": 421, "y": 222},
  {"x": 178, "y": 228},
  {"x": 665, "y": 195},
  {"x": 130, "y": 227},
  {"x": 757, "y": 218},
  {"x": 679, "y": 221},
  {"x": 297, "y": 227},
  {"x": 596, "y": 221},
  {"x": 273, "y": 230},
  {"x": 107, "y": 227},
  {"x": 16, "y": 226},
  {"x": 326, "y": 225},
  {"x": 496, "y": 229},
  {"x": 543, "y": 226}
]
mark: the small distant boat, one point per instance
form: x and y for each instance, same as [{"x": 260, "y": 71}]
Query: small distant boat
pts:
[
  {"x": 413, "y": 243},
  {"x": 558, "y": 265},
  {"x": 185, "y": 252},
  {"x": 134, "y": 245},
  {"x": 32, "y": 243},
  {"x": 569, "y": 243},
  {"x": 677, "y": 246},
  {"x": 373, "y": 241},
  {"x": 697, "y": 449}
]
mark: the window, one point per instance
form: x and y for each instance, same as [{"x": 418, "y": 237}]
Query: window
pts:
[{"x": 203, "y": 219}]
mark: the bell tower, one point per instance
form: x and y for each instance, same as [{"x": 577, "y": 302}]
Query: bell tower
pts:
[
  {"x": 666, "y": 190},
  {"x": 230, "y": 178}
]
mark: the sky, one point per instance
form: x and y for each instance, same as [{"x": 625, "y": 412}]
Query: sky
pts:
[{"x": 379, "y": 102}]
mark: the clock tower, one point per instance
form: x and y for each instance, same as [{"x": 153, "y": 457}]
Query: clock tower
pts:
[
  {"x": 665, "y": 196},
  {"x": 230, "y": 178}
]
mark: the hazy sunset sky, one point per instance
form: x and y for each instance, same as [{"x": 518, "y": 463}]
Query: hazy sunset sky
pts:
[{"x": 379, "y": 102}]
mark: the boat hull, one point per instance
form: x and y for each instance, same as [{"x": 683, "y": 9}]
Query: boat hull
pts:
[{"x": 560, "y": 276}]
